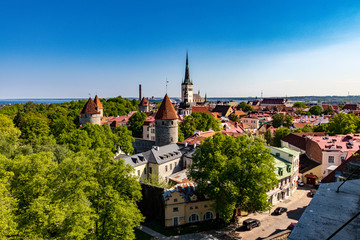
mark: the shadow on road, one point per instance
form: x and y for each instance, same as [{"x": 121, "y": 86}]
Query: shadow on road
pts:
[
  {"x": 296, "y": 214},
  {"x": 275, "y": 232}
]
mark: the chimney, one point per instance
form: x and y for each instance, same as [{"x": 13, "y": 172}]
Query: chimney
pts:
[{"x": 139, "y": 92}]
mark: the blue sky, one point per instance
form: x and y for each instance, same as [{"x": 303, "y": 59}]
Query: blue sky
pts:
[{"x": 236, "y": 48}]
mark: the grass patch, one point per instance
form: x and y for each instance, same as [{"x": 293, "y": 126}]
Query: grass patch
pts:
[
  {"x": 185, "y": 229},
  {"x": 140, "y": 235}
]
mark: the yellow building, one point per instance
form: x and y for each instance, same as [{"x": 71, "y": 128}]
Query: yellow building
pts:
[{"x": 184, "y": 205}]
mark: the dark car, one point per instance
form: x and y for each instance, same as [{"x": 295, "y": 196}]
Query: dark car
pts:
[
  {"x": 280, "y": 210},
  {"x": 312, "y": 192},
  {"x": 251, "y": 223},
  {"x": 292, "y": 225}
]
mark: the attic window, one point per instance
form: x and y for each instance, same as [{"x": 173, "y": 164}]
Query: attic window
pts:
[
  {"x": 280, "y": 171},
  {"x": 161, "y": 157},
  {"x": 141, "y": 158},
  {"x": 277, "y": 154},
  {"x": 134, "y": 159},
  {"x": 288, "y": 168}
]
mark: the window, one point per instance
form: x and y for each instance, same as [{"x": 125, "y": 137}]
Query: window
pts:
[
  {"x": 331, "y": 159},
  {"x": 191, "y": 208},
  {"x": 175, "y": 199},
  {"x": 162, "y": 122},
  {"x": 194, "y": 218},
  {"x": 170, "y": 166},
  {"x": 150, "y": 170},
  {"x": 175, "y": 209},
  {"x": 144, "y": 170},
  {"x": 208, "y": 216},
  {"x": 176, "y": 221},
  {"x": 342, "y": 158},
  {"x": 138, "y": 172},
  {"x": 166, "y": 168}
]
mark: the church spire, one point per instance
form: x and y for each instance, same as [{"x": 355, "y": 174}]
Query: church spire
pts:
[{"x": 187, "y": 73}]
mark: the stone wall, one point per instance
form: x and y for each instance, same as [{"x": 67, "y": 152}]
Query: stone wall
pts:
[{"x": 166, "y": 132}]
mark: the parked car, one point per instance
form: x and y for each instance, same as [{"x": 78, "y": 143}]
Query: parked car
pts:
[
  {"x": 251, "y": 223},
  {"x": 292, "y": 225},
  {"x": 301, "y": 183},
  {"x": 312, "y": 192},
  {"x": 280, "y": 210}
]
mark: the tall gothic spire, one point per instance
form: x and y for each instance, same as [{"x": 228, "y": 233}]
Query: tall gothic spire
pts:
[{"x": 187, "y": 73}]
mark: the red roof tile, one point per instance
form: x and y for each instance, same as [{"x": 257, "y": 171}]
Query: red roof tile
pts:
[
  {"x": 97, "y": 102},
  {"x": 89, "y": 108},
  {"x": 166, "y": 110},
  {"x": 144, "y": 102}
]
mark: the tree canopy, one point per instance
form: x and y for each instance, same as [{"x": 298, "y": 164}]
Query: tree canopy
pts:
[
  {"x": 88, "y": 195},
  {"x": 282, "y": 120},
  {"x": 300, "y": 105},
  {"x": 343, "y": 123},
  {"x": 136, "y": 122},
  {"x": 235, "y": 172},
  {"x": 316, "y": 110},
  {"x": 245, "y": 107},
  {"x": 198, "y": 122},
  {"x": 279, "y": 134}
]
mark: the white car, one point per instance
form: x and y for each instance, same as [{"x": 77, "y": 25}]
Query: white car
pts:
[{"x": 300, "y": 183}]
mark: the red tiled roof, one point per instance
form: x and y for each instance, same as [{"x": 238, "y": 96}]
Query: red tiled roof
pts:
[
  {"x": 350, "y": 106},
  {"x": 144, "y": 102},
  {"x": 89, "y": 108},
  {"x": 203, "y": 109},
  {"x": 274, "y": 101},
  {"x": 298, "y": 139},
  {"x": 166, "y": 110},
  {"x": 97, "y": 102},
  {"x": 240, "y": 113}
]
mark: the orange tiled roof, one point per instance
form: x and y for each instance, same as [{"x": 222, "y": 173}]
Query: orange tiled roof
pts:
[
  {"x": 203, "y": 109},
  {"x": 97, "y": 102},
  {"x": 89, "y": 108},
  {"x": 144, "y": 102},
  {"x": 166, "y": 110}
]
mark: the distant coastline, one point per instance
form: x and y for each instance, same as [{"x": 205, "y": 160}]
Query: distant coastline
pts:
[{"x": 311, "y": 99}]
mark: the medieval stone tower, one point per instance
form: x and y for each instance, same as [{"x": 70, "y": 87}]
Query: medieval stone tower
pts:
[
  {"x": 166, "y": 123},
  {"x": 99, "y": 106},
  {"x": 187, "y": 85},
  {"x": 90, "y": 113}
]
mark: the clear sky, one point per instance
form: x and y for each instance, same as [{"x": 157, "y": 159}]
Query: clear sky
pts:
[{"x": 56, "y": 49}]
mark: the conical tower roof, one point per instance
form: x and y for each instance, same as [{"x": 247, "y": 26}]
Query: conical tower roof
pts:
[
  {"x": 166, "y": 110},
  {"x": 187, "y": 72},
  {"x": 97, "y": 102},
  {"x": 89, "y": 108}
]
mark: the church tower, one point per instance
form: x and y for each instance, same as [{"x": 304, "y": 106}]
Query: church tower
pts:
[
  {"x": 166, "y": 123},
  {"x": 187, "y": 86}
]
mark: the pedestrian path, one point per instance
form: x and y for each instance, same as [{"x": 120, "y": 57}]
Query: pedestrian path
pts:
[{"x": 151, "y": 232}]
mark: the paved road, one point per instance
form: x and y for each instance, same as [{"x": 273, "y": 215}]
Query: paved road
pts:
[{"x": 271, "y": 224}]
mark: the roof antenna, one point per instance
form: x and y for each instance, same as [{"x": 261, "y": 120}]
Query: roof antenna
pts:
[{"x": 166, "y": 84}]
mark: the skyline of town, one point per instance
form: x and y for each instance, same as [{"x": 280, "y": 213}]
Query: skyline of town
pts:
[{"x": 235, "y": 50}]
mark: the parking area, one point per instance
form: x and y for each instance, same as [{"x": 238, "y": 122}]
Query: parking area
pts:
[{"x": 272, "y": 224}]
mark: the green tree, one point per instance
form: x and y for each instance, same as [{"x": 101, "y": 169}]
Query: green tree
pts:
[
  {"x": 234, "y": 172},
  {"x": 245, "y": 107},
  {"x": 288, "y": 121},
  {"x": 8, "y": 226},
  {"x": 135, "y": 124},
  {"x": 9, "y": 136},
  {"x": 198, "y": 122},
  {"x": 328, "y": 111},
  {"x": 235, "y": 118},
  {"x": 34, "y": 128},
  {"x": 124, "y": 139},
  {"x": 321, "y": 127},
  {"x": 268, "y": 136},
  {"x": 88, "y": 195},
  {"x": 77, "y": 140},
  {"x": 300, "y": 105},
  {"x": 343, "y": 123},
  {"x": 279, "y": 134},
  {"x": 316, "y": 110},
  {"x": 278, "y": 120}
]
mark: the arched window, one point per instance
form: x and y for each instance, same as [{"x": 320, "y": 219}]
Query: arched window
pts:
[
  {"x": 194, "y": 218},
  {"x": 208, "y": 216}
]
